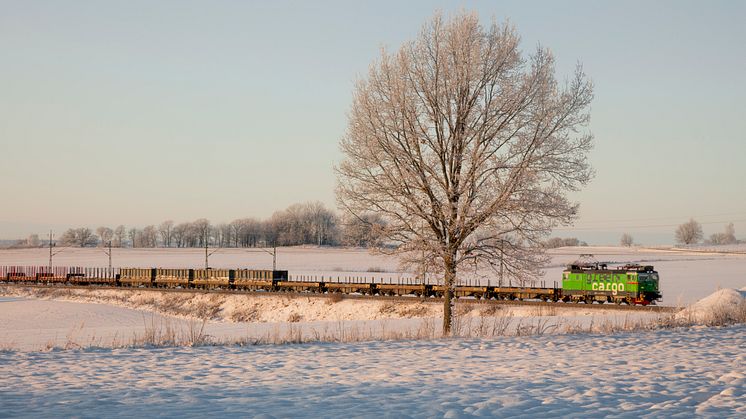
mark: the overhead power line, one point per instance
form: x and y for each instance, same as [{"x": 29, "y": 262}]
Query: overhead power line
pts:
[
  {"x": 740, "y": 213},
  {"x": 642, "y": 226}
]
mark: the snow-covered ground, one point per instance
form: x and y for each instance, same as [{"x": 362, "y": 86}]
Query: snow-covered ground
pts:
[
  {"x": 89, "y": 353},
  {"x": 686, "y": 275},
  {"x": 41, "y": 320},
  {"x": 665, "y": 373},
  {"x": 36, "y": 319}
]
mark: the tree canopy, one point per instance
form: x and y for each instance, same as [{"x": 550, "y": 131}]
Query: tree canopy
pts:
[{"x": 466, "y": 148}]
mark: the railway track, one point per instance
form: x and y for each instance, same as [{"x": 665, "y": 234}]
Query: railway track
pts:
[{"x": 337, "y": 296}]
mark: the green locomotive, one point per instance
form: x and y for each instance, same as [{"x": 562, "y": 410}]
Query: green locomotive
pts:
[{"x": 593, "y": 281}]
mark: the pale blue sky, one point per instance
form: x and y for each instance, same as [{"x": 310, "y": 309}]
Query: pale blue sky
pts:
[{"x": 140, "y": 111}]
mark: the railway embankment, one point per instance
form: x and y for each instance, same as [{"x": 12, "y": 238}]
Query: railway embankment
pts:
[
  {"x": 234, "y": 306},
  {"x": 260, "y": 306},
  {"x": 267, "y": 318}
]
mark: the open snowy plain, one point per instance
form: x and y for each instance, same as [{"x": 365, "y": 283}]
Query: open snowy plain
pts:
[
  {"x": 92, "y": 354},
  {"x": 666, "y": 373}
]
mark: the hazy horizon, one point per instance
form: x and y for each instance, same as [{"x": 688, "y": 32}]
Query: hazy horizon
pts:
[{"x": 135, "y": 113}]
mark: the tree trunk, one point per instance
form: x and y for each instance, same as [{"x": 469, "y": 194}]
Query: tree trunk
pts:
[{"x": 448, "y": 282}]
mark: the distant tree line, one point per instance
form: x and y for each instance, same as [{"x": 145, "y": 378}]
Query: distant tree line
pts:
[
  {"x": 691, "y": 233},
  {"x": 299, "y": 224},
  {"x": 556, "y": 242}
]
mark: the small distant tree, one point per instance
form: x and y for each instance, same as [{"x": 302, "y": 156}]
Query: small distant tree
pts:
[
  {"x": 727, "y": 237},
  {"x": 149, "y": 236},
  {"x": 81, "y": 237},
  {"x": 33, "y": 241},
  {"x": 179, "y": 234},
  {"x": 571, "y": 242},
  {"x": 626, "y": 240},
  {"x": 556, "y": 242},
  {"x": 689, "y": 232},
  {"x": 105, "y": 234},
  {"x": 166, "y": 230},
  {"x": 363, "y": 231},
  {"x": 202, "y": 231},
  {"x": 120, "y": 234},
  {"x": 133, "y": 235},
  {"x": 246, "y": 232}
]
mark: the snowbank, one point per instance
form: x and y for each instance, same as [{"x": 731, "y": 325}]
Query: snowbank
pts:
[
  {"x": 257, "y": 308},
  {"x": 724, "y": 306},
  {"x": 238, "y": 308}
]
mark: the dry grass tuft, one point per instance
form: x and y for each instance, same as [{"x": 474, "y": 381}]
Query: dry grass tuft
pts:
[
  {"x": 334, "y": 298},
  {"x": 387, "y": 308},
  {"x": 463, "y": 309},
  {"x": 414, "y": 310},
  {"x": 490, "y": 310}
]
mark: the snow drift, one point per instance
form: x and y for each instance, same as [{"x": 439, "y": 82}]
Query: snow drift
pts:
[{"x": 724, "y": 306}]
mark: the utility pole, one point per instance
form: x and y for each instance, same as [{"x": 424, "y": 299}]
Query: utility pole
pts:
[
  {"x": 208, "y": 253},
  {"x": 51, "y": 245},
  {"x": 502, "y": 264},
  {"x": 108, "y": 253},
  {"x": 50, "y": 250}
]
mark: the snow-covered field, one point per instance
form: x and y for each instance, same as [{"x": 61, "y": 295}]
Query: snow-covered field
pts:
[
  {"x": 90, "y": 353},
  {"x": 665, "y": 373}
]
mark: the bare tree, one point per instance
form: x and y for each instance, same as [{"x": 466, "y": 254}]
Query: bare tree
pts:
[
  {"x": 119, "y": 235},
  {"x": 271, "y": 231},
  {"x": 466, "y": 148},
  {"x": 134, "y": 237},
  {"x": 105, "y": 234},
  {"x": 363, "y": 231},
  {"x": 726, "y": 237},
  {"x": 322, "y": 223},
  {"x": 224, "y": 236},
  {"x": 179, "y": 234},
  {"x": 689, "y": 232},
  {"x": 165, "y": 230},
  {"x": 626, "y": 240},
  {"x": 730, "y": 234},
  {"x": 149, "y": 236},
  {"x": 556, "y": 242},
  {"x": 82, "y": 237},
  {"x": 202, "y": 230},
  {"x": 246, "y": 232},
  {"x": 33, "y": 241}
]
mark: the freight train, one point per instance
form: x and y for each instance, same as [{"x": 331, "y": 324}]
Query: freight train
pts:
[{"x": 581, "y": 282}]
